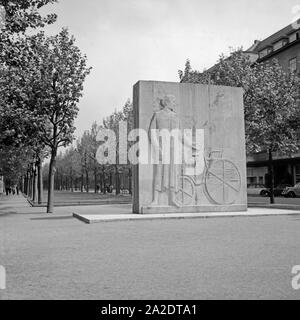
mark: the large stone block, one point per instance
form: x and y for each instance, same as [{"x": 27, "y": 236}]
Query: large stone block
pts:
[{"x": 216, "y": 181}]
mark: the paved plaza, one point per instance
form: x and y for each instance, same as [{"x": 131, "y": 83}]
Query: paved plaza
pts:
[{"x": 59, "y": 257}]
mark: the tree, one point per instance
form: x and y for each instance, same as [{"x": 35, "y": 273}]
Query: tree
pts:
[
  {"x": 273, "y": 114},
  {"x": 84, "y": 147},
  {"x": 19, "y": 122},
  {"x": 18, "y": 130},
  {"x": 13, "y": 163},
  {"x": 93, "y": 149},
  {"x": 23, "y": 14},
  {"x": 60, "y": 71},
  {"x": 270, "y": 99},
  {"x": 112, "y": 122}
]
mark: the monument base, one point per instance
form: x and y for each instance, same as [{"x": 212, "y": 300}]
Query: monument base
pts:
[{"x": 193, "y": 209}]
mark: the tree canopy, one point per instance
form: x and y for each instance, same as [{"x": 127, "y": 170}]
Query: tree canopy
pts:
[
  {"x": 271, "y": 102},
  {"x": 270, "y": 99}
]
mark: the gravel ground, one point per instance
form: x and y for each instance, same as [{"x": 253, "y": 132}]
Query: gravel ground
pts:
[{"x": 59, "y": 257}]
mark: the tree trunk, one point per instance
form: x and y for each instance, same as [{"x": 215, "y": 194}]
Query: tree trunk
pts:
[
  {"x": 130, "y": 182},
  {"x": 50, "y": 205},
  {"x": 271, "y": 177},
  {"x": 71, "y": 181},
  {"x": 27, "y": 184},
  {"x": 87, "y": 181},
  {"x": 61, "y": 182},
  {"x": 82, "y": 183},
  {"x": 22, "y": 184},
  {"x": 35, "y": 184},
  {"x": 30, "y": 184},
  {"x": 95, "y": 178},
  {"x": 104, "y": 181},
  {"x": 118, "y": 191},
  {"x": 110, "y": 179},
  {"x": 101, "y": 183},
  {"x": 40, "y": 181}
]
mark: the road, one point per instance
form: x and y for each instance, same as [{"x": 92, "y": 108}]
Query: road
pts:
[
  {"x": 58, "y": 257},
  {"x": 278, "y": 200}
]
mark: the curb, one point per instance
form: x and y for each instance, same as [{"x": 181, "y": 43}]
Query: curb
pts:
[
  {"x": 78, "y": 204},
  {"x": 92, "y": 219},
  {"x": 275, "y": 206}
]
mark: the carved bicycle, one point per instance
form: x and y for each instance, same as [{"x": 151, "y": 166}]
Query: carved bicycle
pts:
[{"x": 221, "y": 182}]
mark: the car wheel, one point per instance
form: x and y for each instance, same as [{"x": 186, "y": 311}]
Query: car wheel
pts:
[
  {"x": 291, "y": 194},
  {"x": 264, "y": 193}
]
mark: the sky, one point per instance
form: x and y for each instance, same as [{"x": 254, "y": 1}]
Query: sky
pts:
[{"x": 131, "y": 40}]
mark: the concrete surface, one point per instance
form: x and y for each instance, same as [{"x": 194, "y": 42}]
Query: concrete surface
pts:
[
  {"x": 114, "y": 216},
  {"x": 57, "y": 257}
]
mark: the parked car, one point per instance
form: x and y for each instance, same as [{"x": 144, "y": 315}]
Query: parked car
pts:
[
  {"x": 255, "y": 189},
  {"x": 278, "y": 190},
  {"x": 292, "y": 192}
]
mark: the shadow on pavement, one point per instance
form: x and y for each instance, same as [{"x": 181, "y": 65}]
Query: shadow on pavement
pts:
[{"x": 53, "y": 218}]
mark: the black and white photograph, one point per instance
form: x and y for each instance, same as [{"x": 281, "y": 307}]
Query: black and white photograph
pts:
[{"x": 149, "y": 154}]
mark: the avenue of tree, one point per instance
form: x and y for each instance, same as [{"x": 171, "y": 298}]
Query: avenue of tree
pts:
[
  {"x": 41, "y": 82},
  {"x": 77, "y": 168}
]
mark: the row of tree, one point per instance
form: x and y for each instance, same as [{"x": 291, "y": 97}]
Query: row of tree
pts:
[
  {"x": 41, "y": 82},
  {"x": 271, "y": 100},
  {"x": 78, "y": 169}
]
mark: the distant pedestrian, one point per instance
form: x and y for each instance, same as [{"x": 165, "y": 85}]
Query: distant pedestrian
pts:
[
  {"x": 7, "y": 191},
  {"x": 17, "y": 189}
]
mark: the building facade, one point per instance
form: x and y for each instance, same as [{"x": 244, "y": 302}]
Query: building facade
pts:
[{"x": 284, "y": 46}]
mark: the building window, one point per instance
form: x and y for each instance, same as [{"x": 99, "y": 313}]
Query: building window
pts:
[
  {"x": 294, "y": 36},
  {"x": 263, "y": 53},
  {"x": 297, "y": 173},
  {"x": 293, "y": 65},
  {"x": 278, "y": 45}
]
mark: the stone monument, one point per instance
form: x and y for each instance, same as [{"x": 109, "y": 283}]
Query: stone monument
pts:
[{"x": 196, "y": 158}]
